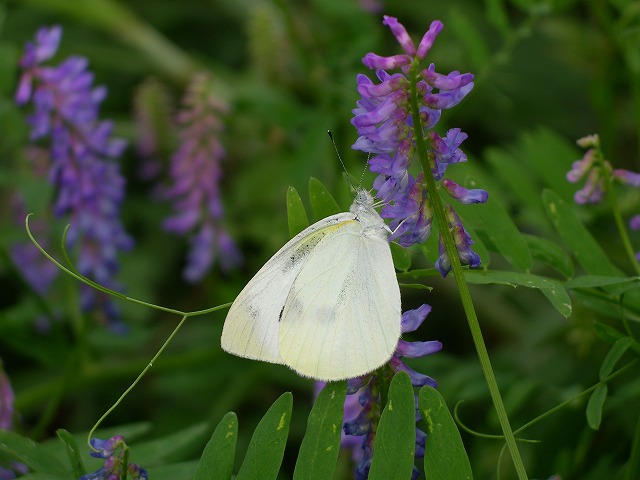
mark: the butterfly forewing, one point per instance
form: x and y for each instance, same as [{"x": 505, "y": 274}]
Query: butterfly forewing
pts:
[{"x": 252, "y": 324}]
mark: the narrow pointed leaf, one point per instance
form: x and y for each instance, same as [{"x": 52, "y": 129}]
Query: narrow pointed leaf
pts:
[
  {"x": 552, "y": 289},
  {"x": 24, "y": 450},
  {"x": 71, "y": 446},
  {"x": 296, "y": 214},
  {"x": 444, "y": 455},
  {"x": 401, "y": 257},
  {"x": 322, "y": 203},
  {"x": 267, "y": 444},
  {"x": 595, "y": 406},
  {"x": 551, "y": 254},
  {"x": 591, "y": 281},
  {"x": 395, "y": 443},
  {"x": 577, "y": 237},
  {"x": 615, "y": 353},
  {"x": 217, "y": 459},
  {"x": 321, "y": 443}
]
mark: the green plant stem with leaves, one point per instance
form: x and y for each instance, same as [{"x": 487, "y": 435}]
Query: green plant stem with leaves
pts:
[
  {"x": 465, "y": 296},
  {"x": 615, "y": 209}
]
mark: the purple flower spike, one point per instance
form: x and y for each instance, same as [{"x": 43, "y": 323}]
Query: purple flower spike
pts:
[
  {"x": 463, "y": 195},
  {"x": 362, "y": 407},
  {"x": 82, "y": 160},
  {"x": 196, "y": 175}
]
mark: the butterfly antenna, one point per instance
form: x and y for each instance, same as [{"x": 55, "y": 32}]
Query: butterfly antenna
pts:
[{"x": 335, "y": 147}]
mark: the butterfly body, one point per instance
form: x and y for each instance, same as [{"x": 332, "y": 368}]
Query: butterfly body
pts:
[{"x": 327, "y": 304}]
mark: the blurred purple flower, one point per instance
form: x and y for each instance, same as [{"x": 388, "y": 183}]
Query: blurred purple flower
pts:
[
  {"x": 595, "y": 187},
  {"x": 6, "y": 402},
  {"x": 196, "y": 175},
  {"x": 113, "y": 467},
  {"x": 362, "y": 407},
  {"x": 384, "y": 121},
  {"x": 8, "y": 471},
  {"x": 83, "y": 159}
]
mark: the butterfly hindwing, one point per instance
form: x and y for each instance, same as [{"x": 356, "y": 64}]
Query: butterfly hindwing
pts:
[{"x": 341, "y": 318}]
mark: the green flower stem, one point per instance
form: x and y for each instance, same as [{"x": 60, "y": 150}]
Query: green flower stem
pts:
[
  {"x": 465, "y": 296},
  {"x": 615, "y": 209}
]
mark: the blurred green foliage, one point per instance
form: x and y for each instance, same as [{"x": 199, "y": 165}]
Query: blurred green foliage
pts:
[{"x": 547, "y": 73}]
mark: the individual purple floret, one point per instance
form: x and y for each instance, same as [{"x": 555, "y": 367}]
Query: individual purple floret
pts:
[
  {"x": 83, "y": 159},
  {"x": 196, "y": 175},
  {"x": 362, "y": 407},
  {"x": 113, "y": 468},
  {"x": 384, "y": 121}
]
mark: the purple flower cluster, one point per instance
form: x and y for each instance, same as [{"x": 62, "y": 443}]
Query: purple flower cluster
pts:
[
  {"x": 196, "y": 174},
  {"x": 83, "y": 159},
  {"x": 589, "y": 168},
  {"x": 384, "y": 121},
  {"x": 364, "y": 410},
  {"x": 114, "y": 465}
]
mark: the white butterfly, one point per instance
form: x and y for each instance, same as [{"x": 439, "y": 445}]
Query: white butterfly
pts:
[{"x": 327, "y": 304}]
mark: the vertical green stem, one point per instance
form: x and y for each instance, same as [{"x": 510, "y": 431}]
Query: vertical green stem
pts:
[
  {"x": 615, "y": 209},
  {"x": 634, "y": 460},
  {"x": 465, "y": 296}
]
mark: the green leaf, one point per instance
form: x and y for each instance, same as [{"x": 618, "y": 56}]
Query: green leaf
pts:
[
  {"x": 498, "y": 17},
  {"x": 296, "y": 214},
  {"x": 172, "y": 447},
  {"x": 551, "y": 254},
  {"x": 322, "y": 203},
  {"x": 75, "y": 457},
  {"x": 552, "y": 289},
  {"x": 620, "y": 346},
  {"x": 595, "y": 406},
  {"x": 591, "y": 281},
  {"x": 465, "y": 29},
  {"x": 24, "y": 450},
  {"x": 416, "y": 286},
  {"x": 493, "y": 219},
  {"x": 269, "y": 439},
  {"x": 444, "y": 455},
  {"x": 321, "y": 443},
  {"x": 577, "y": 237},
  {"x": 217, "y": 459},
  {"x": 401, "y": 257},
  {"x": 395, "y": 442}
]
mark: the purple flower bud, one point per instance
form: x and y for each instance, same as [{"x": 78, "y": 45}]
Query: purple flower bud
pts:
[
  {"x": 412, "y": 319},
  {"x": 372, "y": 60},
  {"x": 401, "y": 35},
  {"x": 106, "y": 448},
  {"x": 429, "y": 37},
  {"x": 452, "y": 81},
  {"x": 634, "y": 223},
  {"x": 626, "y": 177},
  {"x": 581, "y": 167},
  {"x": 417, "y": 349},
  {"x": 462, "y": 242},
  {"x": 447, "y": 98},
  {"x": 463, "y": 195},
  {"x": 417, "y": 379}
]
